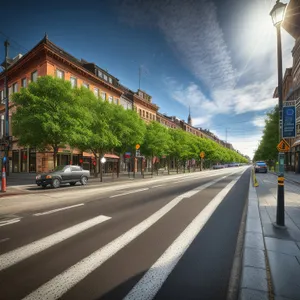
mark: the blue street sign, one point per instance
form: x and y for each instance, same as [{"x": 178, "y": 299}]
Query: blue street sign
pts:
[
  {"x": 4, "y": 159},
  {"x": 289, "y": 122}
]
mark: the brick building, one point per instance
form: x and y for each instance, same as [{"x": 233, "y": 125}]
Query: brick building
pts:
[{"x": 292, "y": 78}]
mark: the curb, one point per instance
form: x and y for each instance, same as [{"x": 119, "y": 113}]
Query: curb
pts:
[
  {"x": 255, "y": 280},
  {"x": 254, "y": 180}
]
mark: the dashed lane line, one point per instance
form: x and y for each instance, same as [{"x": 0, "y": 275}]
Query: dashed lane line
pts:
[
  {"x": 129, "y": 192},
  {"x": 58, "y": 209}
]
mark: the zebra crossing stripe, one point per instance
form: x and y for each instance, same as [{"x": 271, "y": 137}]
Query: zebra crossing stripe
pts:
[
  {"x": 10, "y": 258},
  {"x": 60, "y": 284}
]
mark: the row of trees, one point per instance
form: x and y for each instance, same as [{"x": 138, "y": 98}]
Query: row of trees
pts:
[
  {"x": 51, "y": 114},
  {"x": 267, "y": 150}
]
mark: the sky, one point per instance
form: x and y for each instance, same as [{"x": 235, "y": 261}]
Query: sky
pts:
[{"x": 217, "y": 57}]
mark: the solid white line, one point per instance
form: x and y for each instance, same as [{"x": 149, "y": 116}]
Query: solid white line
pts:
[
  {"x": 10, "y": 258},
  {"x": 8, "y": 222},
  {"x": 58, "y": 209},
  {"x": 152, "y": 281},
  {"x": 130, "y": 192},
  {"x": 60, "y": 284}
]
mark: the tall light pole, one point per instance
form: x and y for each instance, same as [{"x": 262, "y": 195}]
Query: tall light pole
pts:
[{"x": 277, "y": 14}]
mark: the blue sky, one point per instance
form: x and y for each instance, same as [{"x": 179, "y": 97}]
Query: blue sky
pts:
[{"x": 219, "y": 57}]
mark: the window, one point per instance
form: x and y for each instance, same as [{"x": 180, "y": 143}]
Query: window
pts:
[
  {"x": 140, "y": 111},
  {"x": 85, "y": 85},
  {"x": 24, "y": 82},
  {"x": 110, "y": 80},
  {"x": 143, "y": 113},
  {"x": 110, "y": 99},
  {"x": 103, "y": 96},
  {"x": 1, "y": 95},
  {"x": 73, "y": 81},
  {"x": 15, "y": 87},
  {"x": 104, "y": 77},
  {"x": 60, "y": 74},
  {"x": 75, "y": 168},
  {"x": 100, "y": 74},
  {"x": 150, "y": 116},
  {"x": 116, "y": 100},
  {"x": 34, "y": 76},
  {"x": 96, "y": 92},
  {"x": 147, "y": 115}
]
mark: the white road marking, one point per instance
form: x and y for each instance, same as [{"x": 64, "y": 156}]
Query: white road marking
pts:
[
  {"x": 58, "y": 209},
  {"x": 152, "y": 281},
  {"x": 11, "y": 221},
  {"x": 60, "y": 284},
  {"x": 10, "y": 258},
  {"x": 155, "y": 186},
  {"x": 130, "y": 192},
  {"x": 4, "y": 240}
]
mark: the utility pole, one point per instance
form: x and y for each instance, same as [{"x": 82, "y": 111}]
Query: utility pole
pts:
[
  {"x": 226, "y": 135},
  {"x": 6, "y": 163}
]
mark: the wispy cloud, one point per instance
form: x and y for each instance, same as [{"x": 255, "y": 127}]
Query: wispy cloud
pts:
[{"x": 259, "y": 121}]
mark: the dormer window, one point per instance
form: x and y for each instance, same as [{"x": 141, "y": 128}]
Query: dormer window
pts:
[
  {"x": 100, "y": 74},
  {"x": 105, "y": 77},
  {"x": 110, "y": 80}
]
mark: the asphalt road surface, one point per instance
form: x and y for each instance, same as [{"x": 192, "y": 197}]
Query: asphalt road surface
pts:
[{"x": 173, "y": 239}]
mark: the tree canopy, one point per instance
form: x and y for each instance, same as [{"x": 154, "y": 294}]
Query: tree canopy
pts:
[
  {"x": 51, "y": 114},
  {"x": 267, "y": 147}
]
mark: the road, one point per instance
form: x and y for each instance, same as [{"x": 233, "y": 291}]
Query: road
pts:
[{"x": 168, "y": 239}]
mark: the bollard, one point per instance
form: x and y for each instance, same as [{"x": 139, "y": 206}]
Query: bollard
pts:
[{"x": 3, "y": 182}]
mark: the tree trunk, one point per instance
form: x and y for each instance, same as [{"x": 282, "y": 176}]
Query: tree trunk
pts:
[
  {"x": 55, "y": 150},
  {"x": 101, "y": 166},
  {"x": 177, "y": 167},
  {"x": 168, "y": 165},
  {"x": 152, "y": 165}
]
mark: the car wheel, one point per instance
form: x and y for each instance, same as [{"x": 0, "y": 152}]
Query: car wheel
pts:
[
  {"x": 72, "y": 183},
  {"x": 44, "y": 186},
  {"x": 83, "y": 180},
  {"x": 55, "y": 183}
]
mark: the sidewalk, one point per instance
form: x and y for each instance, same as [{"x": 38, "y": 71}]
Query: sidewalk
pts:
[{"x": 271, "y": 258}]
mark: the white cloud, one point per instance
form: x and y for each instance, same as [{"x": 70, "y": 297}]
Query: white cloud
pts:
[{"x": 259, "y": 121}]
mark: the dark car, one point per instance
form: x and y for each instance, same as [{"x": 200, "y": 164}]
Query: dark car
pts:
[
  {"x": 260, "y": 167},
  {"x": 63, "y": 174}
]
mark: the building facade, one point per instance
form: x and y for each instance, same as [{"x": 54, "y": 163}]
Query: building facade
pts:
[
  {"x": 48, "y": 59},
  {"x": 292, "y": 92}
]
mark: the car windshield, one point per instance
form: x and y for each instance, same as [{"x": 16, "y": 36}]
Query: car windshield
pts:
[
  {"x": 261, "y": 163},
  {"x": 59, "y": 168}
]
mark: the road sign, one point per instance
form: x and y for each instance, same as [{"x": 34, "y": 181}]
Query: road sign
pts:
[
  {"x": 283, "y": 146},
  {"x": 289, "y": 122},
  {"x": 202, "y": 154},
  {"x": 138, "y": 153},
  {"x": 137, "y": 146}
]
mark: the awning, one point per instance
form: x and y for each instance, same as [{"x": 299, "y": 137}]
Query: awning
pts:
[
  {"x": 297, "y": 142},
  {"x": 111, "y": 156}
]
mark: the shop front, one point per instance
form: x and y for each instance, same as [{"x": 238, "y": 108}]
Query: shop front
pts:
[
  {"x": 296, "y": 148},
  {"x": 24, "y": 160}
]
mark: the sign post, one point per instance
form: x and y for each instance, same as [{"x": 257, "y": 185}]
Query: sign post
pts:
[{"x": 202, "y": 155}]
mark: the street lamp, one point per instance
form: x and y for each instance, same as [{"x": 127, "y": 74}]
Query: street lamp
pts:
[{"x": 277, "y": 14}]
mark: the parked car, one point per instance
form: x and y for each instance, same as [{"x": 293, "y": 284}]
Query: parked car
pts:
[
  {"x": 260, "y": 167},
  {"x": 63, "y": 174}
]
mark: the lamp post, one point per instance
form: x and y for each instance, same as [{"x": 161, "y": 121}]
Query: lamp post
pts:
[{"x": 277, "y": 14}]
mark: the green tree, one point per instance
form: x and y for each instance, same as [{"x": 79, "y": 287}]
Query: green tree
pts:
[
  {"x": 47, "y": 114},
  {"x": 267, "y": 147},
  {"x": 157, "y": 141}
]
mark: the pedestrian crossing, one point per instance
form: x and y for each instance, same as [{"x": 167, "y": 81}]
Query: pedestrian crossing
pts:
[{"x": 148, "y": 286}]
